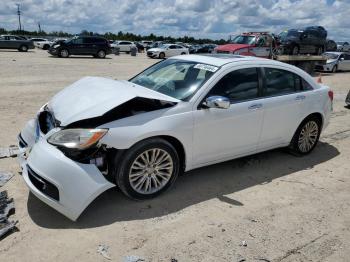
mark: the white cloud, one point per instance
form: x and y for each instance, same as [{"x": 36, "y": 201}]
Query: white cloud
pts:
[{"x": 198, "y": 18}]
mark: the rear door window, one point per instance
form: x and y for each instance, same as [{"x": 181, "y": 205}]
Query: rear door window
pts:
[{"x": 280, "y": 82}]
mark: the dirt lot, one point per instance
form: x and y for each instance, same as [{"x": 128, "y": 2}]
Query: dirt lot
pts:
[{"x": 285, "y": 208}]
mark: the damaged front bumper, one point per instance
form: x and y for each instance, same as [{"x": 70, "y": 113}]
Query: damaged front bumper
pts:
[{"x": 62, "y": 183}]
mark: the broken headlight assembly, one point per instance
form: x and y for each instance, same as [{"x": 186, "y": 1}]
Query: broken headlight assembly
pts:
[{"x": 79, "y": 139}]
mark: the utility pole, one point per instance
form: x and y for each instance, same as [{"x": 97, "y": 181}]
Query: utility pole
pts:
[
  {"x": 19, "y": 18},
  {"x": 39, "y": 27}
]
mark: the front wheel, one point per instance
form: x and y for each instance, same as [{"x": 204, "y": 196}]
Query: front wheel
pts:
[
  {"x": 306, "y": 136},
  {"x": 295, "y": 50},
  {"x": 64, "y": 53},
  {"x": 161, "y": 55},
  {"x": 147, "y": 169},
  {"x": 335, "y": 69}
]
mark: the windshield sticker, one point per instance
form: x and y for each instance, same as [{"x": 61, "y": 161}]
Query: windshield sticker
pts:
[{"x": 206, "y": 67}]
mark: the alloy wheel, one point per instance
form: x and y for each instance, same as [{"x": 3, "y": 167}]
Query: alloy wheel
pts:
[
  {"x": 308, "y": 136},
  {"x": 151, "y": 171}
]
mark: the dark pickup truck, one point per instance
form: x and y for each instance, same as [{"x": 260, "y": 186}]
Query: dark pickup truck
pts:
[{"x": 15, "y": 42}]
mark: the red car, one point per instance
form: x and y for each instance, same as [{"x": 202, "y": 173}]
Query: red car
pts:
[{"x": 260, "y": 44}]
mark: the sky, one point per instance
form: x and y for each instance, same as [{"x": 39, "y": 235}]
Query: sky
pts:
[{"x": 213, "y": 19}]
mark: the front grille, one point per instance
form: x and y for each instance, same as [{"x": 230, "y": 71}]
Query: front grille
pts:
[
  {"x": 46, "y": 121},
  {"x": 319, "y": 67},
  {"x": 43, "y": 185}
]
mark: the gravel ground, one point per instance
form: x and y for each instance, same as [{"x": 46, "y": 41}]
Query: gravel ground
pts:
[{"x": 268, "y": 207}]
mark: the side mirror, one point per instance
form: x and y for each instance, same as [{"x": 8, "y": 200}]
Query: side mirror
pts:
[{"x": 217, "y": 102}]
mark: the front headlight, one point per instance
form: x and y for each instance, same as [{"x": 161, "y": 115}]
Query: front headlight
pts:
[
  {"x": 77, "y": 138},
  {"x": 55, "y": 46}
]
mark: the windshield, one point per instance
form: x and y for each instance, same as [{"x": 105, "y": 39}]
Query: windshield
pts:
[
  {"x": 331, "y": 55},
  {"x": 290, "y": 33},
  {"x": 244, "y": 39},
  {"x": 176, "y": 78}
]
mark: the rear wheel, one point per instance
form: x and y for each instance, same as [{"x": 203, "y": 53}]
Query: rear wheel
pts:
[
  {"x": 183, "y": 53},
  {"x": 319, "y": 50},
  {"x": 101, "y": 54},
  {"x": 161, "y": 55},
  {"x": 23, "y": 48},
  {"x": 64, "y": 53},
  {"x": 306, "y": 136},
  {"x": 147, "y": 169}
]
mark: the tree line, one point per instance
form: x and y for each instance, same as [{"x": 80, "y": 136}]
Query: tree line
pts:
[{"x": 116, "y": 36}]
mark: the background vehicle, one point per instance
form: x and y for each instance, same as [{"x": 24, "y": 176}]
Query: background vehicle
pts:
[
  {"x": 343, "y": 46},
  {"x": 167, "y": 50},
  {"x": 260, "y": 44},
  {"x": 202, "y": 49},
  {"x": 194, "y": 111},
  {"x": 155, "y": 45},
  {"x": 124, "y": 46},
  {"x": 82, "y": 45},
  {"x": 146, "y": 43},
  {"x": 311, "y": 40},
  {"x": 34, "y": 40},
  {"x": 15, "y": 42},
  {"x": 45, "y": 45},
  {"x": 331, "y": 45},
  {"x": 335, "y": 61}
]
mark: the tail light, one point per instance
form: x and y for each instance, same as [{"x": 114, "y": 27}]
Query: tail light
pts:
[{"x": 330, "y": 95}]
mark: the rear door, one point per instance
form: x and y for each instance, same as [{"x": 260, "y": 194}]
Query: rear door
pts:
[{"x": 284, "y": 103}]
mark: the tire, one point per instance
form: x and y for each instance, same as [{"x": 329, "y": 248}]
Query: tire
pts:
[
  {"x": 64, "y": 53},
  {"x": 161, "y": 55},
  {"x": 295, "y": 50},
  {"x": 311, "y": 125},
  {"x": 151, "y": 182},
  {"x": 183, "y": 53},
  {"x": 319, "y": 50},
  {"x": 45, "y": 47},
  {"x": 101, "y": 54},
  {"x": 335, "y": 69},
  {"x": 23, "y": 48}
]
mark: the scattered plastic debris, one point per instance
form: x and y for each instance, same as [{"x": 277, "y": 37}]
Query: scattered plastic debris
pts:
[
  {"x": 5, "y": 177},
  {"x": 133, "y": 259},
  {"x": 7, "y": 208},
  {"x": 244, "y": 243},
  {"x": 103, "y": 251},
  {"x": 10, "y": 151}
]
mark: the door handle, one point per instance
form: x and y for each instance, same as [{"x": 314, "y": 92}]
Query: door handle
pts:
[
  {"x": 255, "y": 106},
  {"x": 300, "y": 97}
]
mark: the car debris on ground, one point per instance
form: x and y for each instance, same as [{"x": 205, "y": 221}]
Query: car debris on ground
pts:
[
  {"x": 7, "y": 208},
  {"x": 11, "y": 151},
  {"x": 5, "y": 177},
  {"x": 103, "y": 251}
]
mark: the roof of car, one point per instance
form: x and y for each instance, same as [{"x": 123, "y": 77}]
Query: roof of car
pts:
[{"x": 217, "y": 59}]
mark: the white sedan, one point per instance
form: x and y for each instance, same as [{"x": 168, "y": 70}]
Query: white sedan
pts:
[
  {"x": 124, "y": 46},
  {"x": 182, "y": 113},
  {"x": 45, "y": 45},
  {"x": 167, "y": 50}
]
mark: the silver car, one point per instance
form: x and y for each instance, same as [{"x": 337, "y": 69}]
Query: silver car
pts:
[{"x": 335, "y": 61}]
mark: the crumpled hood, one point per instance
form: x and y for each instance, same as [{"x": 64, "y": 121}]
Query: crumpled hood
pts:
[
  {"x": 231, "y": 47},
  {"x": 93, "y": 96}
]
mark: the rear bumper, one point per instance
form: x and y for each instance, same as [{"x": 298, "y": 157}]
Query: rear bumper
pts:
[{"x": 65, "y": 185}]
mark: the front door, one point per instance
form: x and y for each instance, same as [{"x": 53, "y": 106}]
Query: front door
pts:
[{"x": 221, "y": 134}]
